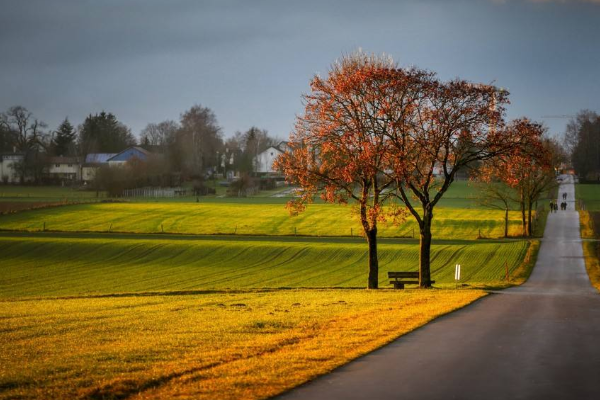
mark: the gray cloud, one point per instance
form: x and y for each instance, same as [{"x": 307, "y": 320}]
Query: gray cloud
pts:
[{"x": 149, "y": 60}]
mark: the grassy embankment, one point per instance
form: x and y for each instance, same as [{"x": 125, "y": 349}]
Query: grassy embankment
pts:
[{"x": 590, "y": 229}]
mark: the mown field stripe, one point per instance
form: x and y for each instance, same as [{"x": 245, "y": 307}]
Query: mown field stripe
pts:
[
  {"x": 248, "y": 219},
  {"x": 45, "y": 265}
]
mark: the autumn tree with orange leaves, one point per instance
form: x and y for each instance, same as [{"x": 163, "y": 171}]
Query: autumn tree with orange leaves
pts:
[
  {"x": 340, "y": 145},
  {"x": 371, "y": 126},
  {"x": 528, "y": 169},
  {"x": 457, "y": 124}
]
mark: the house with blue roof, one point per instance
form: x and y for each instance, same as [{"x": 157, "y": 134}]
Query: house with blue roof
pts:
[
  {"x": 129, "y": 154},
  {"x": 92, "y": 162}
]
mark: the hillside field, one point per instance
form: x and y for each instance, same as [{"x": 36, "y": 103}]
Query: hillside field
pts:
[
  {"x": 248, "y": 219},
  {"x": 51, "y": 265}
]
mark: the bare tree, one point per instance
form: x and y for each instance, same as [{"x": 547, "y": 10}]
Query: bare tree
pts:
[
  {"x": 28, "y": 137},
  {"x": 161, "y": 134},
  {"x": 496, "y": 195},
  {"x": 27, "y": 130},
  {"x": 198, "y": 140}
]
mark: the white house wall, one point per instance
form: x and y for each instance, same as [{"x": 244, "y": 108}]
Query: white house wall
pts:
[
  {"x": 64, "y": 169},
  {"x": 266, "y": 160},
  {"x": 7, "y": 168}
]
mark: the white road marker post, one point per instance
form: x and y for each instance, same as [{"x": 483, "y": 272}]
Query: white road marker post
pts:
[{"x": 457, "y": 274}]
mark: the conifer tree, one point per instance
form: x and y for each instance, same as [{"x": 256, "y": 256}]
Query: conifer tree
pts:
[{"x": 64, "y": 139}]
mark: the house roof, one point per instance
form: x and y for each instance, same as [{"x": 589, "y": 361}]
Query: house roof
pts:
[
  {"x": 129, "y": 153},
  {"x": 63, "y": 160},
  {"x": 98, "y": 158},
  {"x": 269, "y": 148},
  {"x": 282, "y": 146}
]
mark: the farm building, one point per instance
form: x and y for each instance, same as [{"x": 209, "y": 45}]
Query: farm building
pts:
[
  {"x": 264, "y": 161},
  {"x": 64, "y": 168},
  {"x": 128, "y": 154},
  {"x": 93, "y": 161}
]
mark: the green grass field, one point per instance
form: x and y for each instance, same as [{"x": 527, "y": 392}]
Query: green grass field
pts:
[
  {"x": 49, "y": 265},
  {"x": 589, "y": 194},
  {"x": 207, "y": 314},
  {"x": 459, "y": 195},
  {"x": 248, "y": 219}
]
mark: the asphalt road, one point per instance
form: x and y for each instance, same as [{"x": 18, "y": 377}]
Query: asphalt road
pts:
[{"x": 537, "y": 341}]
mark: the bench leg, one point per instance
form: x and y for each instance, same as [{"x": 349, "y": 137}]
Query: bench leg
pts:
[{"x": 398, "y": 285}]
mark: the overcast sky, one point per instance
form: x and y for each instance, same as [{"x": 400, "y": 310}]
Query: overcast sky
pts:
[{"x": 251, "y": 60}]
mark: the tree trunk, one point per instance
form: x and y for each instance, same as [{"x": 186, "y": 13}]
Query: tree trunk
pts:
[
  {"x": 523, "y": 220},
  {"x": 373, "y": 282},
  {"x": 529, "y": 230},
  {"x": 425, "y": 251},
  {"x": 506, "y": 222}
]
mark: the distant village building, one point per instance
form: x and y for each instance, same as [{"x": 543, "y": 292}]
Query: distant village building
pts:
[
  {"x": 264, "y": 161},
  {"x": 93, "y": 161},
  {"x": 128, "y": 154},
  {"x": 64, "y": 169},
  {"x": 8, "y": 167}
]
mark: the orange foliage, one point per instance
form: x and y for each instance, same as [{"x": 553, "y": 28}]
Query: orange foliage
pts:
[
  {"x": 526, "y": 168},
  {"x": 341, "y": 144},
  {"x": 371, "y": 131}
]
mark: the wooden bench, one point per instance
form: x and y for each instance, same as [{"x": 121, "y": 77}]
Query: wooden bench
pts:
[{"x": 402, "y": 278}]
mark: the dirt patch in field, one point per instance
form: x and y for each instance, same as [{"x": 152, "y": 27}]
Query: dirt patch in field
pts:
[{"x": 7, "y": 207}]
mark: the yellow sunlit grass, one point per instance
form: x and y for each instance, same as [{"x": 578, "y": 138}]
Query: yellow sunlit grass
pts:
[
  {"x": 248, "y": 345},
  {"x": 592, "y": 264},
  {"x": 586, "y": 224},
  {"x": 250, "y": 219},
  {"x": 590, "y": 249}
]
